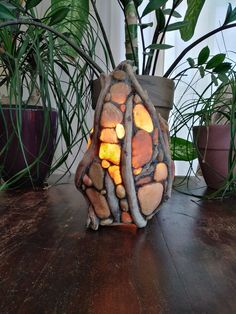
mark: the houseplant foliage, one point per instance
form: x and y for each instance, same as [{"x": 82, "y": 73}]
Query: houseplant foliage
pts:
[
  {"x": 42, "y": 64},
  {"x": 210, "y": 111}
]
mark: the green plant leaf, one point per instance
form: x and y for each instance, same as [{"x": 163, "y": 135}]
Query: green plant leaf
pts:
[
  {"x": 160, "y": 19},
  {"x": 76, "y": 20},
  {"x": 182, "y": 149},
  {"x": 223, "y": 67},
  {"x": 145, "y": 25},
  {"x": 223, "y": 77},
  {"x": 215, "y": 61},
  {"x": 32, "y": 3},
  {"x": 152, "y": 6},
  {"x": 176, "y": 26},
  {"x": 174, "y": 13},
  {"x": 159, "y": 46},
  {"x": 5, "y": 13},
  {"x": 191, "y": 62},
  {"x": 201, "y": 71},
  {"x": 191, "y": 16},
  {"x": 59, "y": 15},
  {"x": 230, "y": 15},
  {"x": 203, "y": 55}
]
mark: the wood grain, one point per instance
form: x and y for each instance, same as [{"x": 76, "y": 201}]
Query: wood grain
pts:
[{"x": 182, "y": 262}]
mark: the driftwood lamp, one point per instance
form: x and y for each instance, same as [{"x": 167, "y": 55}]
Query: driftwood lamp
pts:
[{"x": 125, "y": 173}]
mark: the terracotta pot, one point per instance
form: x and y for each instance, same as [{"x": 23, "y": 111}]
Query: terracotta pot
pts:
[
  {"x": 213, "y": 143},
  {"x": 36, "y": 141},
  {"x": 160, "y": 91}
]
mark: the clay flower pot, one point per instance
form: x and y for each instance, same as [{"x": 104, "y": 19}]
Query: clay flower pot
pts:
[
  {"x": 36, "y": 141},
  {"x": 213, "y": 143}
]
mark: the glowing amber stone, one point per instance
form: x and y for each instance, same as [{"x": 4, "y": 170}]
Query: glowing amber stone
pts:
[
  {"x": 108, "y": 136},
  {"x": 89, "y": 142},
  {"x": 142, "y": 118},
  {"x": 105, "y": 164},
  {"x": 119, "y": 92},
  {"x": 161, "y": 172},
  {"x": 110, "y": 152},
  {"x": 114, "y": 172},
  {"x": 141, "y": 149},
  {"x": 137, "y": 171},
  {"x": 120, "y": 131}
]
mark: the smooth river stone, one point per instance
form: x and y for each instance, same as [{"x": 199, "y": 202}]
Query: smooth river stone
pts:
[
  {"x": 119, "y": 75},
  {"x": 150, "y": 197},
  {"x": 142, "y": 118},
  {"x": 126, "y": 218},
  {"x": 114, "y": 172},
  {"x": 161, "y": 172},
  {"x": 124, "y": 205},
  {"x": 99, "y": 203},
  {"x": 110, "y": 152},
  {"x": 119, "y": 92},
  {"x": 108, "y": 97},
  {"x": 110, "y": 116},
  {"x": 137, "y": 99},
  {"x": 109, "y": 136},
  {"x": 96, "y": 173},
  {"x": 106, "y": 222},
  {"x": 120, "y": 191},
  {"x": 87, "y": 181},
  {"x": 141, "y": 149}
]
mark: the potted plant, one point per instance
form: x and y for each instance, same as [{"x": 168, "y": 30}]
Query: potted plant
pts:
[
  {"x": 211, "y": 116},
  {"x": 43, "y": 86}
]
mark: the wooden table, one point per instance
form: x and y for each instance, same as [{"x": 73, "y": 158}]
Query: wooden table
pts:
[{"x": 183, "y": 262}]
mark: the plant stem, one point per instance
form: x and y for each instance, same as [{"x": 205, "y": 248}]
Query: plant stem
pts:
[
  {"x": 84, "y": 55},
  {"x": 104, "y": 34},
  {"x": 195, "y": 43}
]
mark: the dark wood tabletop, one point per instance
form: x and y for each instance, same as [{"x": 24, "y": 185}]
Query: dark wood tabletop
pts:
[{"x": 184, "y": 261}]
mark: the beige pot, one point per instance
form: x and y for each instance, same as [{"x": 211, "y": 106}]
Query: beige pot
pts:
[{"x": 160, "y": 91}]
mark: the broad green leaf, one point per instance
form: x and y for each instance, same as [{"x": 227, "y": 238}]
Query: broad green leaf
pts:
[
  {"x": 203, "y": 55},
  {"x": 223, "y": 77},
  {"x": 191, "y": 16},
  {"x": 59, "y": 15},
  {"x": 159, "y": 46},
  {"x": 76, "y": 20},
  {"x": 214, "y": 79},
  {"x": 191, "y": 62},
  {"x": 5, "y": 13},
  {"x": 152, "y": 6},
  {"x": 223, "y": 67},
  {"x": 32, "y": 3},
  {"x": 230, "y": 15},
  {"x": 182, "y": 149},
  {"x": 137, "y": 3},
  {"x": 201, "y": 71},
  {"x": 160, "y": 19},
  {"x": 174, "y": 13},
  {"x": 215, "y": 61},
  {"x": 177, "y": 25}
]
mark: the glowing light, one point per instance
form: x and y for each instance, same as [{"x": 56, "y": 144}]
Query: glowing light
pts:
[
  {"x": 119, "y": 92},
  {"x": 142, "y": 118},
  {"x": 120, "y": 131},
  {"x": 137, "y": 171},
  {"x": 105, "y": 164},
  {"x": 114, "y": 172},
  {"x": 109, "y": 136},
  {"x": 110, "y": 152}
]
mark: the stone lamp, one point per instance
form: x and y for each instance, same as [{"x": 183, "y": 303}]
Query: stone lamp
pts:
[{"x": 125, "y": 173}]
